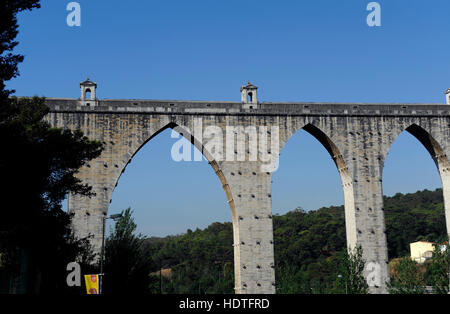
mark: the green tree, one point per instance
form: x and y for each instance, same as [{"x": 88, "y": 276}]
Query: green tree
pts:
[
  {"x": 351, "y": 269},
  {"x": 439, "y": 269},
  {"x": 309, "y": 246},
  {"x": 127, "y": 262},
  {"x": 407, "y": 278}
]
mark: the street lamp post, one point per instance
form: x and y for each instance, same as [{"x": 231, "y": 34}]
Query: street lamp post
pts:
[
  {"x": 160, "y": 277},
  {"x": 340, "y": 276},
  {"x": 448, "y": 281},
  {"x": 218, "y": 263},
  {"x": 114, "y": 217}
]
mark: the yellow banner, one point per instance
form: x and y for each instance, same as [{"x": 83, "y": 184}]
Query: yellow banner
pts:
[{"x": 91, "y": 284}]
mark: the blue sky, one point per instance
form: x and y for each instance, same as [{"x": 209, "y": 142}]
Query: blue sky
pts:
[{"x": 312, "y": 50}]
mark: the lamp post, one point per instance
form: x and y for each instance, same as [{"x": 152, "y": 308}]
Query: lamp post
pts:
[
  {"x": 114, "y": 217},
  {"x": 218, "y": 263},
  {"x": 448, "y": 282},
  {"x": 160, "y": 277},
  {"x": 340, "y": 276}
]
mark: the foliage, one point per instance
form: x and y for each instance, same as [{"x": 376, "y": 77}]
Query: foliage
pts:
[
  {"x": 439, "y": 269},
  {"x": 9, "y": 31},
  {"x": 351, "y": 272},
  {"x": 413, "y": 217},
  {"x": 310, "y": 248},
  {"x": 38, "y": 172},
  {"x": 127, "y": 264},
  {"x": 408, "y": 278},
  {"x": 201, "y": 261},
  {"x": 38, "y": 166},
  {"x": 306, "y": 247}
]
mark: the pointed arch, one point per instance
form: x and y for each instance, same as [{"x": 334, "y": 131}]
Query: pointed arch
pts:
[
  {"x": 194, "y": 141},
  {"x": 432, "y": 146},
  {"x": 344, "y": 173},
  {"x": 440, "y": 159}
]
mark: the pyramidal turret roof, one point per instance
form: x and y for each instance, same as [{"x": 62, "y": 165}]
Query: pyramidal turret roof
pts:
[
  {"x": 88, "y": 82},
  {"x": 249, "y": 86}
]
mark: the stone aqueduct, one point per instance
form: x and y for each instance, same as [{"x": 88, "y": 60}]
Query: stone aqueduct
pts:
[{"x": 357, "y": 136}]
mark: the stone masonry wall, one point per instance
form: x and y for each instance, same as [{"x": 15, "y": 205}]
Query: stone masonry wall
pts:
[{"x": 358, "y": 138}]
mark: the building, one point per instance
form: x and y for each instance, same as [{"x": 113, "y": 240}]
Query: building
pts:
[{"x": 421, "y": 251}]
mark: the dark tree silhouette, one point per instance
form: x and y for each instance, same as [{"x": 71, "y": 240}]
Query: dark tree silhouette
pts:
[{"x": 38, "y": 166}]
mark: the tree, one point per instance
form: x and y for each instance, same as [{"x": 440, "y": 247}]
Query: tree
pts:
[
  {"x": 127, "y": 263},
  {"x": 309, "y": 247},
  {"x": 439, "y": 269},
  {"x": 9, "y": 31},
  {"x": 38, "y": 166},
  {"x": 407, "y": 278},
  {"x": 38, "y": 172},
  {"x": 351, "y": 269}
]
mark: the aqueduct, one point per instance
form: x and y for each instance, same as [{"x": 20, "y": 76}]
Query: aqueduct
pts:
[{"x": 357, "y": 136}]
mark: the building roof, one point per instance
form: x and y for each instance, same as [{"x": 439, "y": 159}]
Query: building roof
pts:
[
  {"x": 422, "y": 242},
  {"x": 89, "y": 83},
  {"x": 249, "y": 86}
]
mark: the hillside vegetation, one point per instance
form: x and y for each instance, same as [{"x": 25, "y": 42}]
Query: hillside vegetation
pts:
[{"x": 308, "y": 246}]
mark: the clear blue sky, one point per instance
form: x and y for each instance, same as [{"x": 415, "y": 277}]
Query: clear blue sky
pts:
[{"x": 312, "y": 50}]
